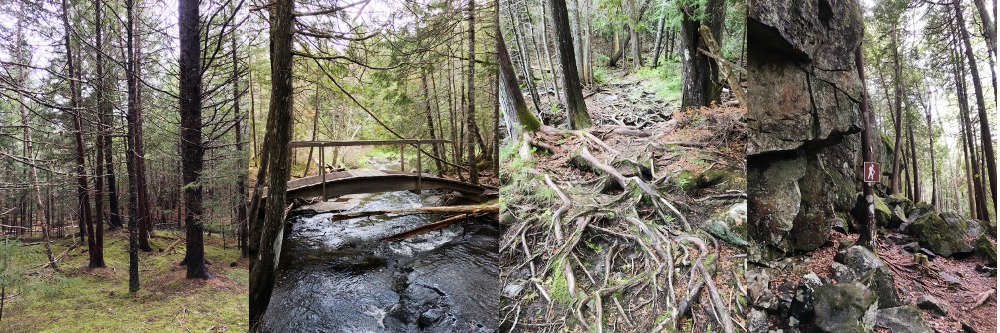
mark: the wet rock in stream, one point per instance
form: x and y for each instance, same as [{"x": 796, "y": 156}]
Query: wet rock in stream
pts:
[{"x": 338, "y": 277}]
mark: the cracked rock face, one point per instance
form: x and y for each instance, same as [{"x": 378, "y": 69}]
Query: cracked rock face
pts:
[{"x": 803, "y": 116}]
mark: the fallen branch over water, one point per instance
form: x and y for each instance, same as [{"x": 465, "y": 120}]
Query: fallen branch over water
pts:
[
  {"x": 425, "y": 228},
  {"x": 464, "y": 209}
]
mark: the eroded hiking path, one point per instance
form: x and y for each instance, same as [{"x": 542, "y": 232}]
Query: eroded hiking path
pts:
[{"x": 633, "y": 225}]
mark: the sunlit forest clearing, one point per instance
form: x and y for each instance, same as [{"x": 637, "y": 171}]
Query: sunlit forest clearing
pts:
[
  {"x": 101, "y": 296},
  {"x": 123, "y": 166}
]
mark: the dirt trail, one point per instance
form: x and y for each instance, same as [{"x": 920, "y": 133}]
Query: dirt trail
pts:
[{"x": 595, "y": 227}]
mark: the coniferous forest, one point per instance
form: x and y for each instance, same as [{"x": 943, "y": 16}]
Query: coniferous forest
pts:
[{"x": 498, "y": 165}]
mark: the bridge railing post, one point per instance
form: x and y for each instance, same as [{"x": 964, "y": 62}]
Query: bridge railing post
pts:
[
  {"x": 322, "y": 170},
  {"x": 402, "y": 168},
  {"x": 420, "y": 169}
]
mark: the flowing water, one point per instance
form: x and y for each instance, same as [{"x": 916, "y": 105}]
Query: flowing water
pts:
[{"x": 338, "y": 276}]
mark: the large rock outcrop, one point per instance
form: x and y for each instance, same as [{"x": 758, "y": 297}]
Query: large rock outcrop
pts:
[
  {"x": 844, "y": 307},
  {"x": 803, "y": 114},
  {"x": 943, "y": 236}
]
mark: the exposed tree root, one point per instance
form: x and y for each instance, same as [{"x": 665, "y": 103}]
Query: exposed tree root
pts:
[{"x": 583, "y": 259}]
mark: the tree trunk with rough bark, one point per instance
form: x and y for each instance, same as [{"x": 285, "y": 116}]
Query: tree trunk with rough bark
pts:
[
  {"x": 576, "y": 107},
  {"x": 279, "y": 125},
  {"x": 984, "y": 126}
]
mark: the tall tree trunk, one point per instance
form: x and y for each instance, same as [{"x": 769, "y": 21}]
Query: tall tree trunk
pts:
[
  {"x": 142, "y": 215},
  {"x": 989, "y": 28},
  {"x": 279, "y": 124},
  {"x": 545, "y": 43},
  {"x": 588, "y": 56},
  {"x": 984, "y": 126},
  {"x": 97, "y": 257},
  {"x": 930, "y": 138},
  {"x": 192, "y": 151},
  {"x": 633, "y": 30},
  {"x": 529, "y": 74},
  {"x": 578, "y": 37},
  {"x": 82, "y": 189},
  {"x": 430, "y": 120},
  {"x": 104, "y": 110},
  {"x": 898, "y": 109},
  {"x": 29, "y": 149},
  {"x": 241, "y": 179},
  {"x": 699, "y": 74},
  {"x": 963, "y": 105},
  {"x": 868, "y": 233},
  {"x": 657, "y": 43},
  {"x": 531, "y": 33},
  {"x": 913, "y": 159},
  {"x": 319, "y": 165},
  {"x": 130, "y": 163},
  {"x": 522, "y": 117},
  {"x": 576, "y": 107}
]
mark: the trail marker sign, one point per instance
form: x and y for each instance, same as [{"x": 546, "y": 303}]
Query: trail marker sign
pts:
[{"x": 872, "y": 173}]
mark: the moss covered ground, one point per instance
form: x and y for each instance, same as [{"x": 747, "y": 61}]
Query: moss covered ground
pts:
[{"x": 98, "y": 300}]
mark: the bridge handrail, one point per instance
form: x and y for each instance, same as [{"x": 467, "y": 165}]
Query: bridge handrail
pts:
[
  {"x": 402, "y": 144},
  {"x": 307, "y": 144}
]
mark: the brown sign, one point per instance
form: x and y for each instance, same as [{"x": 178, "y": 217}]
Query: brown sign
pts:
[{"x": 872, "y": 173}]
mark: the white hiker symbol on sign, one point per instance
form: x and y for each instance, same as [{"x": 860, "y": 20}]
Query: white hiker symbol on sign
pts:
[{"x": 871, "y": 172}]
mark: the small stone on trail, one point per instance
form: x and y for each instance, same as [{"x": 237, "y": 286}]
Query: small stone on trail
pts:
[{"x": 931, "y": 303}]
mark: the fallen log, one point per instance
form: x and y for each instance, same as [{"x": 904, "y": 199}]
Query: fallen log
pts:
[
  {"x": 171, "y": 247},
  {"x": 464, "y": 209},
  {"x": 426, "y": 228}
]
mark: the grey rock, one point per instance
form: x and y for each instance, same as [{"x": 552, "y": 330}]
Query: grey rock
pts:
[
  {"x": 902, "y": 319},
  {"x": 513, "y": 290},
  {"x": 931, "y": 303},
  {"x": 940, "y": 236},
  {"x": 757, "y": 321},
  {"x": 842, "y": 273},
  {"x": 430, "y": 317},
  {"x": 844, "y": 307},
  {"x": 872, "y": 272}
]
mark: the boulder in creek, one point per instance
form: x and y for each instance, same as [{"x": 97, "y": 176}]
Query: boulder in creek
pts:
[
  {"x": 902, "y": 319},
  {"x": 871, "y": 271},
  {"x": 940, "y": 236},
  {"x": 846, "y": 307}
]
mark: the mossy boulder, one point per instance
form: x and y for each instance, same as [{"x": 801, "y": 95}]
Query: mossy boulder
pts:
[
  {"x": 882, "y": 212},
  {"x": 940, "y": 236},
  {"x": 872, "y": 272},
  {"x": 897, "y": 218},
  {"x": 902, "y": 319},
  {"x": 898, "y": 200},
  {"x": 987, "y": 249},
  {"x": 919, "y": 209},
  {"x": 685, "y": 179},
  {"x": 730, "y": 225},
  {"x": 990, "y": 226},
  {"x": 847, "y": 307}
]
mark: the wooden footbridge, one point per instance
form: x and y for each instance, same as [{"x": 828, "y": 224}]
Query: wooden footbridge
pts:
[{"x": 359, "y": 181}]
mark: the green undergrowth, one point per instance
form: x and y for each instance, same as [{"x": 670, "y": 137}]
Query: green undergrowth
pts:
[
  {"x": 97, "y": 300},
  {"x": 665, "y": 80}
]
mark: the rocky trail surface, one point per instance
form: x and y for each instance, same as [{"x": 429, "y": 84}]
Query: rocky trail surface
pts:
[
  {"x": 634, "y": 225},
  {"x": 932, "y": 272}
]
